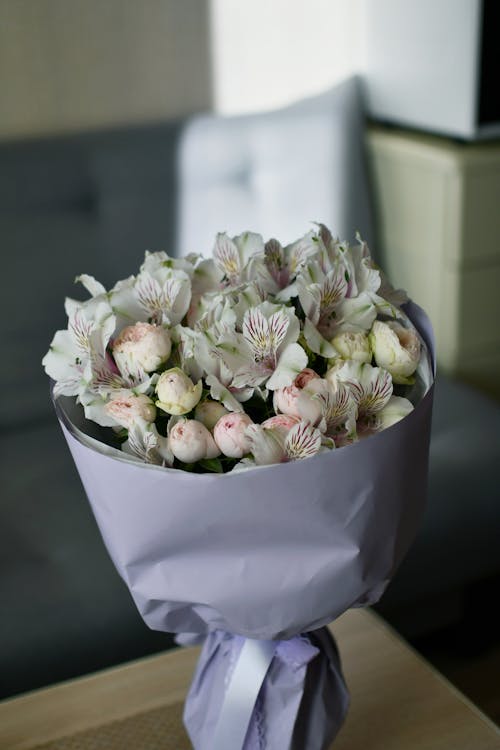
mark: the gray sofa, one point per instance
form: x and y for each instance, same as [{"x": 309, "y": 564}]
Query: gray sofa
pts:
[{"x": 94, "y": 203}]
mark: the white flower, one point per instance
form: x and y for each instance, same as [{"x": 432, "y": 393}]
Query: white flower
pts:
[
  {"x": 177, "y": 394},
  {"x": 145, "y": 442},
  {"x": 126, "y": 408},
  {"x": 396, "y": 408},
  {"x": 354, "y": 346},
  {"x": 229, "y": 434},
  {"x": 233, "y": 257},
  {"x": 190, "y": 441},
  {"x": 371, "y": 388},
  {"x": 269, "y": 446},
  {"x": 142, "y": 345},
  {"x": 209, "y": 412},
  {"x": 266, "y": 351},
  {"x": 395, "y": 348},
  {"x": 338, "y": 409},
  {"x": 164, "y": 293}
]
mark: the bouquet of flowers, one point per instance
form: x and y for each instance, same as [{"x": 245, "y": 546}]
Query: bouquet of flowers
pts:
[{"x": 196, "y": 381}]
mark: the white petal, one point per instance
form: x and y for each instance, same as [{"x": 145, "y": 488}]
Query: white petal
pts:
[
  {"x": 316, "y": 342},
  {"x": 227, "y": 257},
  {"x": 292, "y": 361},
  {"x": 266, "y": 445},
  {"x": 219, "y": 392},
  {"x": 95, "y": 288},
  {"x": 256, "y": 332},
  {"x": 396, "y": 408},
  {"x": 302, "y": 441}
]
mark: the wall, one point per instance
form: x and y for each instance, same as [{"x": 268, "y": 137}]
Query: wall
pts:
[
  {"x": 76, "y": 64},
  {"x": 268, "y": 53}
]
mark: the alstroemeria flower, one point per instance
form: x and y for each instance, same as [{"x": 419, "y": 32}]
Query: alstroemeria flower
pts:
[
  {"x": 396, "y": 348},
  {"x": 266, "y": 351},
  {"x": 338, "y": 409},
  {"x": 371, "y": 388},
  {"x": 320, "y": 295},
  {"x": 145, "y": 443},
  {"x": 68, "y": 358},
  {"x": 284, "y": 263},
  {"x": 269, "y": 446},
  {"x": 234, "y": 256},
  {"x": 165, "y": 295}
]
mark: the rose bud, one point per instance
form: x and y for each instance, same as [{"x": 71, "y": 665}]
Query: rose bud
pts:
[
  {"x": 281, "y": 423},
  {"x": 229, "y": 434},
  {"x": 190, "y": 441},
  {"x": 354, "y": 346},
  {"x": 126, "y": 408},
  {"x": 142, "y": 344},
  {"x": 209, "y": 412},
  {"x": 177, "y": 394},
  {"x": 295, "y": 401},
  {"x": 395, "y": 348}
]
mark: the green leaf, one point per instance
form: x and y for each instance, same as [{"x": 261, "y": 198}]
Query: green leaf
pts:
[{"x": 212, "y": 464}]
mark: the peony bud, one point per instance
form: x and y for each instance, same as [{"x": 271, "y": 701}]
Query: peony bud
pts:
[
  {"x": 190, "y": 441},
  {"x": 281, "y": 423},
  {"x": 142, "y": 345},
  {"x": 397, "y": 349},
  {"x": 229, "y": 434},
  {"x": 126, "y": 408},
  {"x": 209, "y": 412},
  {"x": 295, "y": 401},
  {"x": 354, "y": 346},
  {"x": 177, "y": 393}
]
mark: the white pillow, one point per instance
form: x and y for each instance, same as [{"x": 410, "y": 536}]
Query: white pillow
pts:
[{"x": 275, "y": 172}]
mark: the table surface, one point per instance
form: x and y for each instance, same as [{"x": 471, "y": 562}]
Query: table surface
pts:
[{"x": 398, "y": 702}]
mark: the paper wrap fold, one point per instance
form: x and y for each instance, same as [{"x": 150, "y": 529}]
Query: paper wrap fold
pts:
[
  {"x": 304, "y": 687},
  {"x": 269, "y": 553}
]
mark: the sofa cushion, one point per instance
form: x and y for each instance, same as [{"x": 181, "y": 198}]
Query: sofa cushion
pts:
[
  {"x": 458, "y": 541},
  {"x": 86, "y": 204},
  {"x": 65, "y": 611}
]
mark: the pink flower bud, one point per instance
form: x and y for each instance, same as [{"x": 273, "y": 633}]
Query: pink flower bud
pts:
[
  {"x": 295, "y": 401},
  {"x": 282, "y": 423},
  {"x": 190, "y": 441},
  {"x": 229, "y": 434},
  {"x": 126, "y": 408},
  {"x": 142, "y": 345}
]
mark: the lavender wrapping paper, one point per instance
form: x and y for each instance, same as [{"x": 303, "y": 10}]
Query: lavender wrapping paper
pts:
[
  {"x": 267, "y": 554},
  {"x": 302, "y": 703}
]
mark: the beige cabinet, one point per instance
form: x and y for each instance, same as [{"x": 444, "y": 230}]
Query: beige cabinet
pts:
[{"x": 437, "y": 208}]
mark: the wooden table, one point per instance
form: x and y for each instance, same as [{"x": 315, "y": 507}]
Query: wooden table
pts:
[{"x": 398, "y": 702}]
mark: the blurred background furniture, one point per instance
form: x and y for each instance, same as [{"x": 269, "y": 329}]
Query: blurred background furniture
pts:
[{"x": 93, "y": 203}]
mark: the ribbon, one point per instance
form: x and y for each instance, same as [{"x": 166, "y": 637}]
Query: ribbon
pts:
[{"x": 244, "y": 686}]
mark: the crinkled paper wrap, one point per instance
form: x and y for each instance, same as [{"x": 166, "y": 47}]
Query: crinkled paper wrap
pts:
[
  {"x": 304, "y": 688},
  {"x": 270, "y": 553}
]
